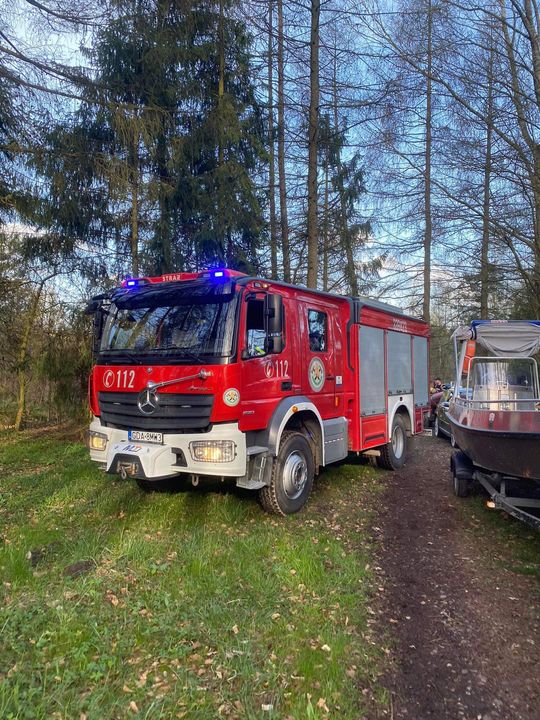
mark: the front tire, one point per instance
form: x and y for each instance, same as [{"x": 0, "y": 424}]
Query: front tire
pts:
[
  {"x": 292, "y": 476},
  {"x": 394, "y": 453}
]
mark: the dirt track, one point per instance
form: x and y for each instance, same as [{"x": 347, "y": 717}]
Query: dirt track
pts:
[{"x": 466, "y": 640}]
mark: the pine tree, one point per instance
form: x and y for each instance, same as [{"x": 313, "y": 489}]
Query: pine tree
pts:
[
  {"x": 159, "y": 161},
  {"x": 8, "y": 130}
]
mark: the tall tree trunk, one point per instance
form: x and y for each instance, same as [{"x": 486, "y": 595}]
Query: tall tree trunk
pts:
[
  {"x": 222, "y": 235},
  {"x": 313, "y": 141},
  {"x": 22, "y": 356},
  {"x": 519, "y": 96},
  {"x": 135, "y": 201},
  {"x": 484, "y": 259},
  {"x": 163, "y": 226},
  {"x": 345, "y": 235},
  {"x": 326, "y": 225},
  {"x": 285, "y": 249},
  {"x": 427, "y": 172},
  {"x": 535, "y": 281},
  {"x": 272, "y": 159}
]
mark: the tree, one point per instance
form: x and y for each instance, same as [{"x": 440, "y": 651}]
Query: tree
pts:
[
  {"x": 282, "y": 178},
  {"x": 176, "y": 138},
  {"x": 271, "y": 145},
  {"x": 313, "y": 139},
  {"x": 8, "y": 127}
]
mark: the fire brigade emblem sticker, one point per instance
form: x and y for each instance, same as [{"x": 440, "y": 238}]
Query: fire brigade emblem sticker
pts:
[
  {"x": 231, "y": 397},
  {"x": 316, "y": 374}
]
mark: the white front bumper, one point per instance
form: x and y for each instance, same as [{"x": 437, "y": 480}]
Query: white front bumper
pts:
[{"x": 158, "y": 461}]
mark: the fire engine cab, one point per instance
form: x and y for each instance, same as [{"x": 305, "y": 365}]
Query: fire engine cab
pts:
[{"x": 227, "y": 376}]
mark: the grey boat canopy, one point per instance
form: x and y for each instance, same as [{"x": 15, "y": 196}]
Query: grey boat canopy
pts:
[{"x": 504, "y": 338}]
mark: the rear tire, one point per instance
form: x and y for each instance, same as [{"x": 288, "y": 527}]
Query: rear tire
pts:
[
  {"x": 394, "y": 454},
  {"x": 436, "y": 428},
  {"x": 460, "y": 485},
  {"x": 292, "y": 476}
]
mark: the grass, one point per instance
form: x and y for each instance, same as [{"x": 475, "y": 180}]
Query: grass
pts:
[
  {"x": 193, "y": 604},
  {"x": 514, "y": 545}
]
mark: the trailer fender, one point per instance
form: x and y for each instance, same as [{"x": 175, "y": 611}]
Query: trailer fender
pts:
[{"x": 461, "y": 466}]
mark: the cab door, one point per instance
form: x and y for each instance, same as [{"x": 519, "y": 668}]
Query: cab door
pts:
[
  {"x": 319, "y": 356},
  {"x": 267, "y": 376}
]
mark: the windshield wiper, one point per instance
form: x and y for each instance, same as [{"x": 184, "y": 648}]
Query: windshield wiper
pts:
[
  {"x": 130, "y": 358},
  {"x": 180, "y": 353}
]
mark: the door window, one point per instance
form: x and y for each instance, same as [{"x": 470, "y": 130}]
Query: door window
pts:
[
  {"x": 318, "y": 331},
  {"x": 255, "y": 333}
]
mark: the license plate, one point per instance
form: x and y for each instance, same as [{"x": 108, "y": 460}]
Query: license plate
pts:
[{"x": 145, "y": 436}]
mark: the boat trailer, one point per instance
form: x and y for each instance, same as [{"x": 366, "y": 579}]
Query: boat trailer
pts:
[{"x": 516, "y": 496}]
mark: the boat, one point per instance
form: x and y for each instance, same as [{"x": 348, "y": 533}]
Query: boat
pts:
[
  {"x": 495, "y": 420},
  {"x": 495, "y": 417}
]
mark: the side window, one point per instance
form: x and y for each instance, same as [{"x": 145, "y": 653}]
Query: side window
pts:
[
  {"x": 318, "y": 334},
  {"x": 255, "y": 335}
]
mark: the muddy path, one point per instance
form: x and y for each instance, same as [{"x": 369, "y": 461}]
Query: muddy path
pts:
[{"x": 464, "y": 633}]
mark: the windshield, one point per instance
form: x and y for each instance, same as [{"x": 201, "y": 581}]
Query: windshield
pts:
[
  {"x": 189, "y": 324},
  {"x": 503, "y": 381}
]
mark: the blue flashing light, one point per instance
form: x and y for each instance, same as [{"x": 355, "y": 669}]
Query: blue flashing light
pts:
[
  {"x": 132, "y": 283},
  {"x": 216, "y": 274}
]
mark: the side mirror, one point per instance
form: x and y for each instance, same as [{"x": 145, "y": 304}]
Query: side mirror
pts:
[
  {"x": 96, "y": 303},
  {"x": 273, "y": 322},
  {"x": 98, "y": 307}
]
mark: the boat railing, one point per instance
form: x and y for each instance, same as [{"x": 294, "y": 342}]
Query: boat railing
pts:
[{"x": 504, "y": 403}]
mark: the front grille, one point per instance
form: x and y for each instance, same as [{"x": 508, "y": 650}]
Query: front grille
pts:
[{"x": 175, "y": 412}]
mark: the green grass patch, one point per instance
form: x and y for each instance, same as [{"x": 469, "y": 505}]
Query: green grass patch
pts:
[
  {"x": 115, "y": 603},
  {"x": 515, "y": 545}
]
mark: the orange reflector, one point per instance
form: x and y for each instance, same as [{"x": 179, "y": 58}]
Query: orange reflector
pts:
[
  {"x": 490, "y": 504},
  {"x": 294, "y": 408}
]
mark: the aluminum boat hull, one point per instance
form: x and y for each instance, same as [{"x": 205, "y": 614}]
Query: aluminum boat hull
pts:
[{"x": 503, "y": 441}]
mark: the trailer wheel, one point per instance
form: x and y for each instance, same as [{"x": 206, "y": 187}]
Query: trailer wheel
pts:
[
  {"x": 292, "y": 476},
  {"x": 394, "y": 453},
  {"x": 462, "y": 471},
  {"x": 460, "y": 485}
]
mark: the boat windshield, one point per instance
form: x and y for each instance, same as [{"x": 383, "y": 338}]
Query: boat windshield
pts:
[
  {"x": 503, "y": 383},
  {"x": 191, "y": 324}
]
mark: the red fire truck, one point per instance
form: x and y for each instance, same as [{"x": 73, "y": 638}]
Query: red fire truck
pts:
[{"x": 223, "y": 375}]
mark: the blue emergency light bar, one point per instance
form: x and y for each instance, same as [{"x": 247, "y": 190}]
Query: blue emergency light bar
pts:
[
  {"x": 219, "y": 274},
  {"x": 216, "y": 274},
  {"x": 132, "y": 283}
]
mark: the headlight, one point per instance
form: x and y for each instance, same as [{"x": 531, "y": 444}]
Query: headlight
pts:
[
  {"x": 96, "y": 440},
  {"x": 217, "y": 451}
]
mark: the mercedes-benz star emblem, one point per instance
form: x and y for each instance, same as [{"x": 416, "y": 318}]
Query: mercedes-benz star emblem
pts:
[{"x": 148, "y": 401}]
